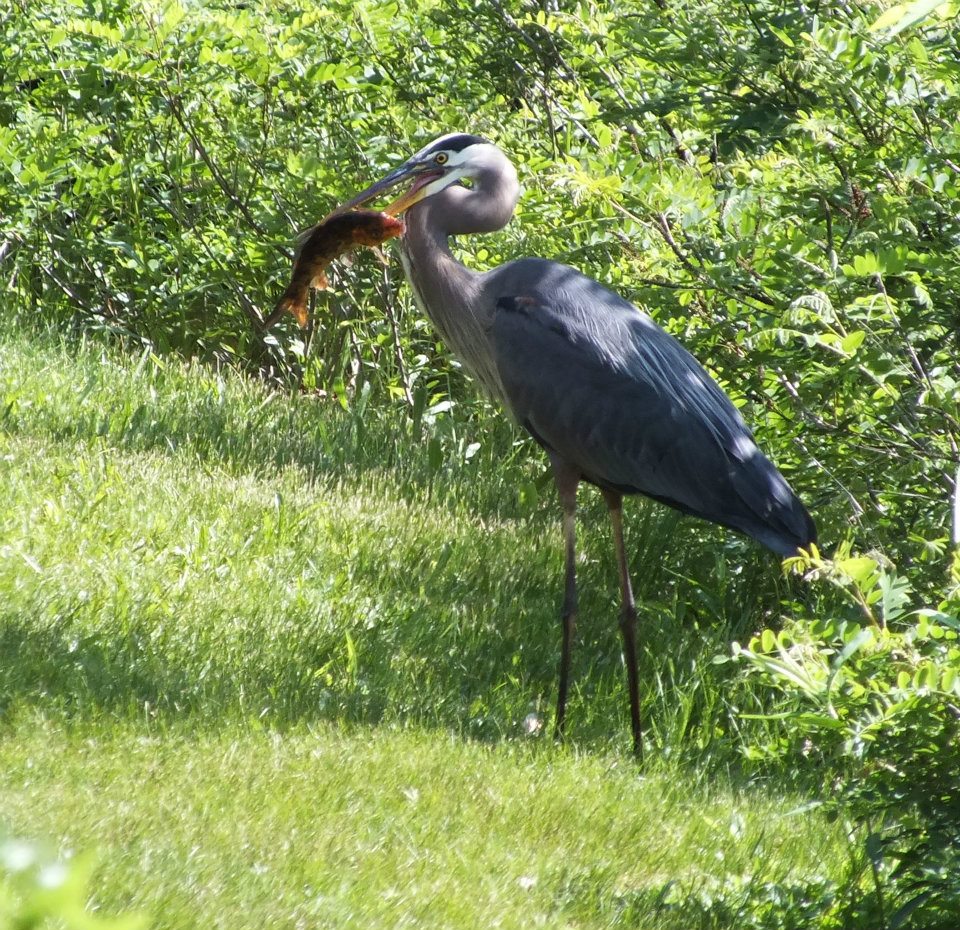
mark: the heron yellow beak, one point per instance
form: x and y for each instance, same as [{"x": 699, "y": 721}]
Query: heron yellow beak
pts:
[{"x": 412, "y": 196}]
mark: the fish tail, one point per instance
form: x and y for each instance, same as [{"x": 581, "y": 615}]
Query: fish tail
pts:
[
  {"x": 296, "y": 304},
  {"x": 294, "y": 300}
]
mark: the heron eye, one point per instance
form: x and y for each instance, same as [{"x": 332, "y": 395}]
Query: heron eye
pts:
[{"x": 441, "y": 158}]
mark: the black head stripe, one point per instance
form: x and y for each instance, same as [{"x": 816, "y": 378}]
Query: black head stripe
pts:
[{"x": 455, "y": 142}]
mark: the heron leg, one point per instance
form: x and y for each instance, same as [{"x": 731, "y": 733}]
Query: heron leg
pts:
[
  {"x": 567, "y": 480},
  {"x": 628, "y": 618}
]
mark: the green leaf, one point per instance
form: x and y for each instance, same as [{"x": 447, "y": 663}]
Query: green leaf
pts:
[
  {"x": 781, "y": 35},
  {"x": 435, "y": 454},
  {"x": 904, "y": 15},
  {"x": 863, "y": 266},
  {"x": 863, "y": 638},
  {"x": 901, "y": 916},
  {"x": 860, "y": 569},
  {"x": 852, "y": 341}
]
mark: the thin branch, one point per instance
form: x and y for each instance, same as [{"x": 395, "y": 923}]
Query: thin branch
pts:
[
  {"x": 218, "y": 176},
  {"x": 663, "y": 225}
]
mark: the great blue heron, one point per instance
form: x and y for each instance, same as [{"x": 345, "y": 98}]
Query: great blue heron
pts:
[{"x": 612, "y": 398}]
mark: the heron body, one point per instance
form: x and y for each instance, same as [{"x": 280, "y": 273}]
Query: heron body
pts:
[{"x": 613, "y": 399}]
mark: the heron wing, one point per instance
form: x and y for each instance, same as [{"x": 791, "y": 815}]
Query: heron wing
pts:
[{"x": 599, "y": 384}]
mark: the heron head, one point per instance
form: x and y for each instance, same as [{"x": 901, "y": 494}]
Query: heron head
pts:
[{"x": 448, "y": 160}]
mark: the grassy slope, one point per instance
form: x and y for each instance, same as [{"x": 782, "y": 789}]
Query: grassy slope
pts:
[{"x": 276, "y": 666}]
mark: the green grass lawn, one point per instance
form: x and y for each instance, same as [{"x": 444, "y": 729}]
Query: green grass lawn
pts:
[
  {"x": 246, "y": 826},
  {"x": 280, "y": 665}
]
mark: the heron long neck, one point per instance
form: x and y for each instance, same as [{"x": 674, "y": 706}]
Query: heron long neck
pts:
[{"x": 450, "y": 294}]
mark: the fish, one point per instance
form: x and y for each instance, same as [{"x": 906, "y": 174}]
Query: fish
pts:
[{"x": 323, "y": 243}]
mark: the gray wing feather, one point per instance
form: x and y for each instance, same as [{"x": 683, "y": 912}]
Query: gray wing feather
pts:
[{"x": 601, "y": 385}]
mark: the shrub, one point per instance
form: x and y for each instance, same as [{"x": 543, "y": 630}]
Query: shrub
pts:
[{"x": 877, "y": 702}]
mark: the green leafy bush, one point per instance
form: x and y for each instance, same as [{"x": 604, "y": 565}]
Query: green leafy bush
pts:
[
  {"x": 779, "y": 187},
  {"x": 877, "y": 703}
]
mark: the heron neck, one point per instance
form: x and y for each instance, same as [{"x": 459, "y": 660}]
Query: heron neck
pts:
[{"x": 450, "y": 294}]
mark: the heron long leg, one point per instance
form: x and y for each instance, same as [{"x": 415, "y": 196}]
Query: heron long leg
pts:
[
  {"x": 628, "y": 617},
  {"x": 567, "y": 480}
]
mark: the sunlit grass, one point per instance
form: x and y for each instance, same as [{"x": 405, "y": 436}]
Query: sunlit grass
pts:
[
  {"x": 190, "y": 541},
  {"x": 249, "y": 827},
  {"x": 283, "y": 666}
]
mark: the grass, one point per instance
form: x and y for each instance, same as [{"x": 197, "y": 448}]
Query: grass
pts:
[
  {"x": 250, "y": 827},
  {"x": 282, "y": 665}
]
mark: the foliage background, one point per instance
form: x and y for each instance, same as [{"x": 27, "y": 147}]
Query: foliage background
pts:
[{"x": 777, "y": 183}]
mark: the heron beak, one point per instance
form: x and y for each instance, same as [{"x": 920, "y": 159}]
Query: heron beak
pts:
[
  {"x": 375, "y": 190},
  {"x": 424, "y": 173},
  {"x": 416, "y": 193}
]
